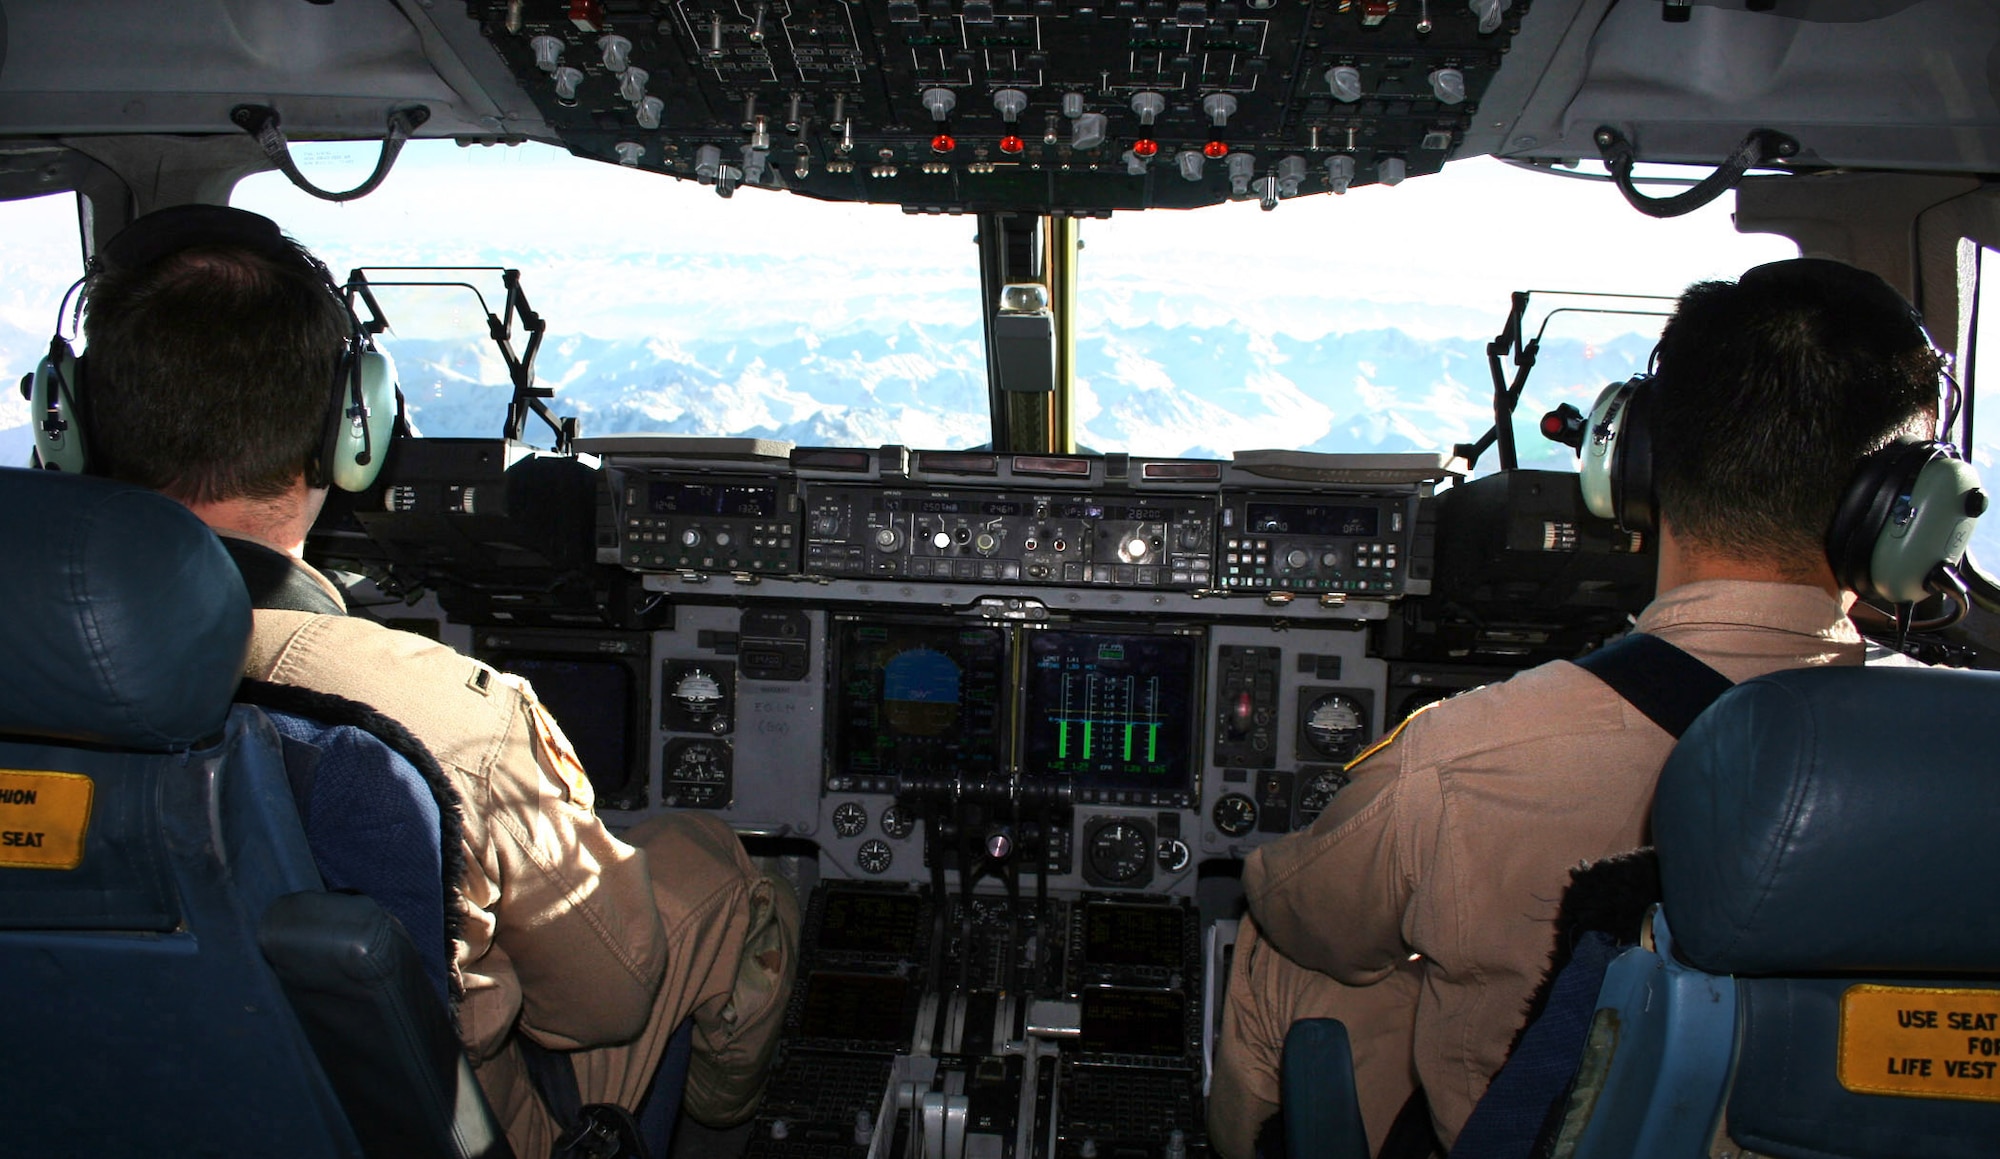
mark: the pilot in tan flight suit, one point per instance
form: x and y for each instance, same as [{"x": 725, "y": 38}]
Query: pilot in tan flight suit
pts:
[
  {"x": 209, "y": 365},
  {"x": 1419, "y": 908}
]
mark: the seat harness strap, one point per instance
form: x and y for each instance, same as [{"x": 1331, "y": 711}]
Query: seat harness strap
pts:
[{"x": 1660, "y": 680}]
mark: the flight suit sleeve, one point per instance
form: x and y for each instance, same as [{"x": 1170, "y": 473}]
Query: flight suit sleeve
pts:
[
  {"x": 1336, "y": 896},
  {"x": 575, "y": 914}
]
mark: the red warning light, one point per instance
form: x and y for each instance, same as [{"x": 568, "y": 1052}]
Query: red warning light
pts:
[
  {"x": 1215, "y": 150},
  {"x": 1552, "y": 425},
  {"x": 1145, "y": 147},
  {"x": 943, "y": 143},
  {"x": 1012, "y": 144}
]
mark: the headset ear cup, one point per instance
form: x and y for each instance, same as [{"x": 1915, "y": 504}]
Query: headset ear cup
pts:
[
  {"x": 1632, "y": 477},
  {"x": 1597, "y": 459},
  {"x": 1930, "y": 522},
  {"x": 1615, "y": 466},
  {"x": 1910, "y": 510},
  {"x": 55, "y": 411},
  {"x": 358, "y": 449}
]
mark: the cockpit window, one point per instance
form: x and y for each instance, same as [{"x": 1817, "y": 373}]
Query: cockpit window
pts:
[
  {"x": 1983, "y": 354},
  {"x": 39, "y": 258},
  {"x": 1333, "y": 324}
]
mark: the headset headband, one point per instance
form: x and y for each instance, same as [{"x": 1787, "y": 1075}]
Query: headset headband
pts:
[{"x": 169, "y": 231}]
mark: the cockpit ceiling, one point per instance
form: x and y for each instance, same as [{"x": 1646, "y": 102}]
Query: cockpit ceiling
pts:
[{"x": 1076, "y": 106}]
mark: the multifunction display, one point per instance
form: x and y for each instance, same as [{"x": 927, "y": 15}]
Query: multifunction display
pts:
[
  {"x": 670, "y": 498},
  {"x": 916, "y": 699},
  {"x": 1111, "y": 711}
]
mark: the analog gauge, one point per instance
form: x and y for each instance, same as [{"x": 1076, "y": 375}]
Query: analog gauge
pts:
[
  {"x": 1234, "y": 815},
  {"x": 698, "y": 693},
  {"x": 1119, "y": 851},
  {"x": 1317, "y": 793},
  {"x": 874, "y": 856},
  {"x": 697, "y": 774},
  {"x": 1334, "y": 725},
  {"x": 849, "y": 819},
  {"x": 898, "y": 822}
]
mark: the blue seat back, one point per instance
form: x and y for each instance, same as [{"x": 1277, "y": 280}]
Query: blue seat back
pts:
[
  {"x": 179, "y": 980},
  {"x": 154, "y": 824},
  {"x": 1825, "y": 848}
]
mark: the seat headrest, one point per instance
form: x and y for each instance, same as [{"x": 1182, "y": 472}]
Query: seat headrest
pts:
[
  {"x": 1834, "y": 820},
  {"x": 127, "y": 622}
]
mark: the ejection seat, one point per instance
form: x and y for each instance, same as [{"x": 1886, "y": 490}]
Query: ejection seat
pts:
[
  {"x": 176, "y": 980},
  {"x": 1829, "y": 985}
]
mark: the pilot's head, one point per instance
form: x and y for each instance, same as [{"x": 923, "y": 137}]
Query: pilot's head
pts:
[
  {"x": 212, "y": 342},
  {"x": 1771, "y": 390}
]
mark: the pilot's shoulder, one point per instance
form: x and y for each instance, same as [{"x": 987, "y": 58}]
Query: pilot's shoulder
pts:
[
  {"x": 1557, "y": 699},
  {"x": 408, "y": 677}
]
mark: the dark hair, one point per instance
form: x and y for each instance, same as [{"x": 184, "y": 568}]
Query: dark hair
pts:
[
  {"x": 210, "y": 370},
  {"x": 1771, "y": 390}
]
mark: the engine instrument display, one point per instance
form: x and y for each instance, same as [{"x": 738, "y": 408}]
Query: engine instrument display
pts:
[
  {"x": 1112, "y": 710},
  {"x": 917, "y": 699}
]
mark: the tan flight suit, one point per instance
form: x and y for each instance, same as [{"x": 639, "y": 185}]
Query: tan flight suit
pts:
[
  {"x": 1454, "y": 841},
  {"x": 583, "y": 941}
]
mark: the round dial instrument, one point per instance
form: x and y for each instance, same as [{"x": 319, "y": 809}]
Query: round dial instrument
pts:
[
  {"x": 1335, "y": 726},
  {"x": 849, "y": 819},
  {"x": 874, "y": 856},
  {"x": 1119, "y": 851},
  {"x": 898, "y": 822},
  {"x": 1234, "y": 815},
  {"x": 1317, "y": 793}
]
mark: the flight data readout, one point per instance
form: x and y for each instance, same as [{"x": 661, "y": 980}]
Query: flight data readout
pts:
[
  {"x": 1109, "y": 709},
  {"x": 918, "y": 700}
]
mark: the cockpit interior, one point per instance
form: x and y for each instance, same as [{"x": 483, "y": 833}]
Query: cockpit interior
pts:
[{"x": 1011, "y": 714}]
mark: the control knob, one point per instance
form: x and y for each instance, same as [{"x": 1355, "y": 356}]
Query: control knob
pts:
[
  {"x": 888, "y": 539},
  {"x": 691, "y": 537},
  {"x": 941, "y": 540},
  {"x": 1297, "y": 557}
]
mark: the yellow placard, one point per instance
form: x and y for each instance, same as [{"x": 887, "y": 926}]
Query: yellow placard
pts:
[
  {"x": 1921, "y": 1042},
  {"x": 43, "y": 817}
]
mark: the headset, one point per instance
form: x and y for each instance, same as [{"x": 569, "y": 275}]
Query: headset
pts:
[
  {"x": 1902, "y": 526},
  {"x": 364, "y": 400}
]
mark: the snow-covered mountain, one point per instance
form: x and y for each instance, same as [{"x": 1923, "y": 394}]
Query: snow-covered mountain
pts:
[{"x": 1157, "y": 390}]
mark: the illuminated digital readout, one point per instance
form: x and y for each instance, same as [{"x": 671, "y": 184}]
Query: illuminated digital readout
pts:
[
  {"x": 919, "y": 699},
  {"x": 1132, "y": 935},
  {"x": 1119, "y": 1021},
  {"x": 710, "y": 499},
  {"x": 870, "y": 923},
  {"x": 1109, "y": 709},
  {"x": 1314, "y": 519}
]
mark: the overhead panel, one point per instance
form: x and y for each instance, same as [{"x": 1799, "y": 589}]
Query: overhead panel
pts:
[{"x": 1010, "y": 105}]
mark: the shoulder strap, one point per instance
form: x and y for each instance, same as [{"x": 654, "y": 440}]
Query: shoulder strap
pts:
[
  {"x": 275, "y": 583},
  {"x": 1660, "y": 680}
]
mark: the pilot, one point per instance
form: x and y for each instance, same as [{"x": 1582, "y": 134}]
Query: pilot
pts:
[
  {"x": 212, "y": 342},
  {"x": 1419, "y": 909}
]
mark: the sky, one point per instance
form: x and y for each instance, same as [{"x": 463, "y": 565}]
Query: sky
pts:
[{"x": 612, "y": 252}]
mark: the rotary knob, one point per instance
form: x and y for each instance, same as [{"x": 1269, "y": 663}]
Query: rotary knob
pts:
[
  {"x": 1297, "y": 557},
  {"x": 691, "y": 537},
  {"x": 888, "y": 539}
]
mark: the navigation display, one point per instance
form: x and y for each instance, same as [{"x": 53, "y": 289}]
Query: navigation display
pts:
[
  {"x": 1110, "y": 709},
  {"x": 919, "y": 699},
  {"x": 592, "y": 701}
]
